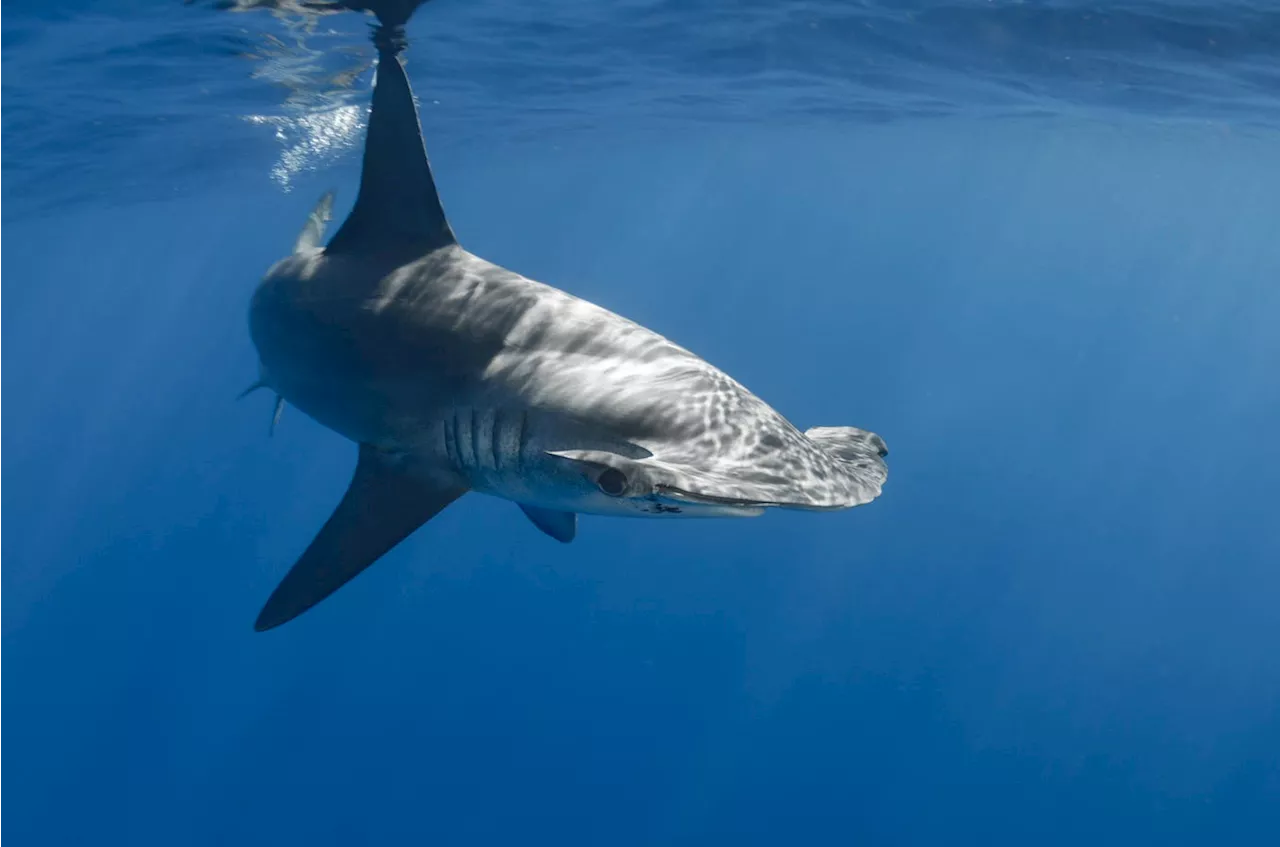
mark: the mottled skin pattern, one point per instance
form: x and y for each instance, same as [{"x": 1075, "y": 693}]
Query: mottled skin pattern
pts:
[{"x": 473, "y": 375}]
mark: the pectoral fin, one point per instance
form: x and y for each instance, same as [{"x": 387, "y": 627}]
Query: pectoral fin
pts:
[
  {"x": 312, "y": 233},
  {"x": 562, "y": 526},
  {"x": 382, "y": 506}
]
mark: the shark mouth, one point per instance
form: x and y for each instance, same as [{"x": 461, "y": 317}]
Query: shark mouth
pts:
[
  {"x": 732, "y": 505},
  {"x": 677, "y": 500}
]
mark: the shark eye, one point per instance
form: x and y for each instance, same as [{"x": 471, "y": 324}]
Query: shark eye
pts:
[{"x": 612, "y": 482}]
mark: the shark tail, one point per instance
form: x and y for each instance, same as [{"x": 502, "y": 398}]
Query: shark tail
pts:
[{"x": 390, "y": 13}]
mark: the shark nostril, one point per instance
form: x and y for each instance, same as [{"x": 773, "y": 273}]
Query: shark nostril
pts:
[{"x": 612, "y": 482}]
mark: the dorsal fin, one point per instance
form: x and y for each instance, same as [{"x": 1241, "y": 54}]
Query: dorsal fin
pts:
[{"x": 398, "y": 207}]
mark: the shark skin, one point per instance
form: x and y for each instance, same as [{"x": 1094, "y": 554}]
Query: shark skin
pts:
[{"x": 453, "y": 374}]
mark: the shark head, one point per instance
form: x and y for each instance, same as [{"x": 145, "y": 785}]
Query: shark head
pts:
[{"x": 607, "y": 483}]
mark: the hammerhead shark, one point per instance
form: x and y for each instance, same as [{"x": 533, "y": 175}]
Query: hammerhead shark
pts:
[{"x": 453, "y": 374}]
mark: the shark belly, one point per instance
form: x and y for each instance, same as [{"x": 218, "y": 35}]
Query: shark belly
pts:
[{"x": 306, "y": 357}]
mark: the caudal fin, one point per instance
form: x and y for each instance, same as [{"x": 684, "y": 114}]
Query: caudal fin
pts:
[{"x": 390, "y": 12}]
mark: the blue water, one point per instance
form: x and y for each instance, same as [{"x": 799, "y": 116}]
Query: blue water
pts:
[{"x": 1036, "y": 246}]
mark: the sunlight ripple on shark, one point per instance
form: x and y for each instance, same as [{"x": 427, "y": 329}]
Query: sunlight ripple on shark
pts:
[{"x": 453, "y": 375}]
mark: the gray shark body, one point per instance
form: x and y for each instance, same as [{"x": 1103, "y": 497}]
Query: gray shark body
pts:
[{"x": 454, "y": 375}]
